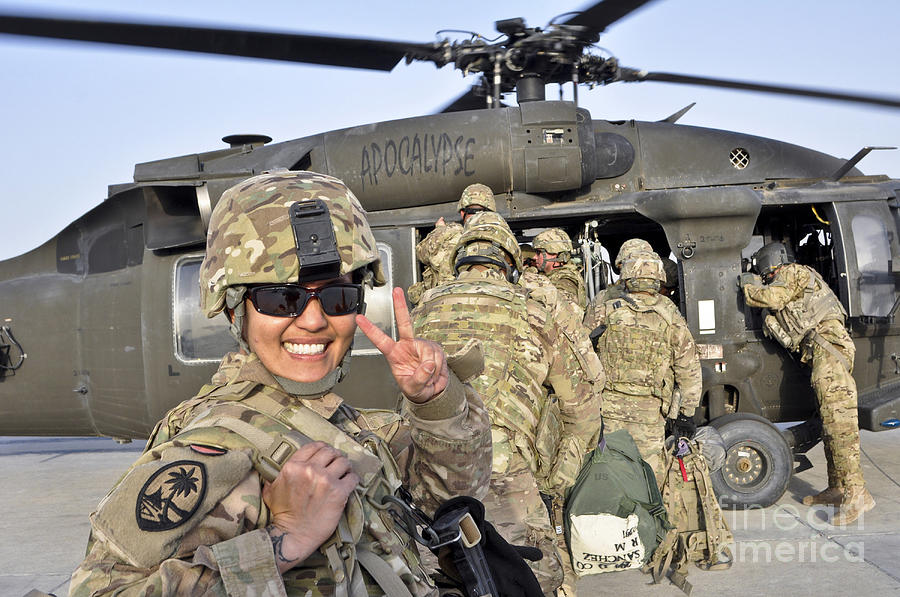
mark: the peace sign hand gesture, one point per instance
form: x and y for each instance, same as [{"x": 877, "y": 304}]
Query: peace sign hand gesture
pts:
[{"x": 418, "y": 365}]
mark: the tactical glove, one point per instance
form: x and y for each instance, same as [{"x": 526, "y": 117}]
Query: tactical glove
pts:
[
  {"x": 512, "y": 575},
  {"x": 683, "y": 426},
  {"x": 746, "y": 279}
]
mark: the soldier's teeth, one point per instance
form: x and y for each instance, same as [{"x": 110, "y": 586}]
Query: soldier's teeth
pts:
[{"x": 303, "y": 348}]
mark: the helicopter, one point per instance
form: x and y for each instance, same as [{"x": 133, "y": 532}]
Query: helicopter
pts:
[{"x": 126, "y": 341}]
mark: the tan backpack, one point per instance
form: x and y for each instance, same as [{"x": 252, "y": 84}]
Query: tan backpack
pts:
[{"x": 701, "y": 534}]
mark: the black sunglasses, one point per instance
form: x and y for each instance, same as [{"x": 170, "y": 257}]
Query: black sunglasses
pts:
[{"x": 289, "y": 300}]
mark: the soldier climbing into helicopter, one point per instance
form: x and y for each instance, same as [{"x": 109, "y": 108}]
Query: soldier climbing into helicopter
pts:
[{"x": 806, "y": 317}]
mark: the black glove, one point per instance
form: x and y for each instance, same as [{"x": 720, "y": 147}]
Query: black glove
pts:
[
  {"x": 512, "y": 576},
  {"x": 683, "y": 426}
]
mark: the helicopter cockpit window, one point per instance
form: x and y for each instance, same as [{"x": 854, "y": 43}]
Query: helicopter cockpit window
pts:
[
  {"x": 379, "y": 305},
  {"x": 198, "y": 339},
  {"x": 873, "y": 254},
  {"x": 868, "y": 248}
]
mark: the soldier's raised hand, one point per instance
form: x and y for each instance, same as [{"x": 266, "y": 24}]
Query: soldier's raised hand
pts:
[{"x": 419, "y": 366}]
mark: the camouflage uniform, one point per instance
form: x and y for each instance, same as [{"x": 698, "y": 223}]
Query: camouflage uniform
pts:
[
  {"x": 189, "y": 517},
  {"x": 650, "y": 359},
  {"x": 568, "y": 281},
  {"x": 436, "y": 251},
  {"x": 224, "y": 543},
  {"x": 538, "y": 444},
  {"x": 809, "y": 320}
]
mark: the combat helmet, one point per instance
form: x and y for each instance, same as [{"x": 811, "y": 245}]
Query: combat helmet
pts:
[
  {"x": 556, "y": 241},
  {"x": 488, "y": 240},
  {"x": 285, "y": 227},
  {"x": 643, "y": 271},
  {"x": 632, "y": 245},
  {"x": 768, "y": 258},
  {"x": 477, "y": 194}
]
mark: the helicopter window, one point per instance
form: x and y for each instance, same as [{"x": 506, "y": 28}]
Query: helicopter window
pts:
[
  {"x": 554, "y": 136},
  {"x": 198, "y": 339},
  {"x": 873, "y": 254},
  {"x": 866, "y": 253},
  {"x": 379, "y": 304}
]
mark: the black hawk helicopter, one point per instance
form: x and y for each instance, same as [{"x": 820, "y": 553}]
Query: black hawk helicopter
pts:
[{"x": 107, "y": 315}]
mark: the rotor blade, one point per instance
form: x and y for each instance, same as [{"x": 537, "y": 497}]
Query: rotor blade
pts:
[
  {"x": 293, "y": 47},
  {"x": 631, "y": 75},
  {"x": 467, "y": 101},
  {"x": 475, "y": 98},
  {"x": 603, "y": 14}
]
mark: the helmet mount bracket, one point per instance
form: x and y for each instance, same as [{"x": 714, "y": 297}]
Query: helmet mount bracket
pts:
[{"x": 317, "y": 251}]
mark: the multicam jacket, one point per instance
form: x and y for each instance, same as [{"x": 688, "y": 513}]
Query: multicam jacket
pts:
[
  {"x": 568, "y": 280},
  {"x": 802, "y": 302},
  {"x": 533, "y": 343},
  {"x": 647, "y": 350},
  {"x": 188, "y": 518},
  {"x": 436, "y": 253}
]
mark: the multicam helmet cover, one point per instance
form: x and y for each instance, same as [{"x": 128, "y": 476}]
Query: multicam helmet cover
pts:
[
  {"x": 632, "y": 245},
  {"x": 487, "y": 234},
  {"x": 477, "y": 194},
  {"x": 643, "y": 264},
  {"x": 251, "y": 239},
  {"x": 554, "y": 240}
]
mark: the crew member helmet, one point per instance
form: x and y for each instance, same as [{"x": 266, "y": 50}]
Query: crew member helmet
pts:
[{"x": 768, "y": 258}]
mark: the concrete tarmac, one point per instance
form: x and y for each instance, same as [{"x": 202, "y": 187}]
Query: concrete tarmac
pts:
[{"x": 51, "y": 485}]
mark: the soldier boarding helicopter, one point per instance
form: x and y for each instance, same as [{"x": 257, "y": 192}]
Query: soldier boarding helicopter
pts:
[{"x": 125, "y": 340}]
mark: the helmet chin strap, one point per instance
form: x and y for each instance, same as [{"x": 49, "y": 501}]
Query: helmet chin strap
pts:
[
  {"x": 234, "y": 300},
  {"x": 315, "y": 389}
]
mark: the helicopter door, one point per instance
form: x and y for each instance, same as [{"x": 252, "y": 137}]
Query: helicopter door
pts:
[{"x": 867, "y": 255}]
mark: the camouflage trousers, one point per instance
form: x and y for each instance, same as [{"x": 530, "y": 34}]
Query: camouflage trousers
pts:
[
  {"x": 835, "y": 391},
  {"x": 513, "y": 504},
  {"x": 640, "y": 416}
]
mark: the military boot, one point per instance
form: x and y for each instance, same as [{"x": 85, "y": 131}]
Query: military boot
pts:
[
  {"x": 856, "y": 501},
  {"x": 833, "y": 496}
]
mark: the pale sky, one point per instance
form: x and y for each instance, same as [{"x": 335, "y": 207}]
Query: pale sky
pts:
[{"x": 76, "y": 117}]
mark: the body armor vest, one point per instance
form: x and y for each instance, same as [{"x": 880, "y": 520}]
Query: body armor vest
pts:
[
  {"x": 366, "y": 530},
  {"x": 818, "y": 303},
  {"x": 514, "y": 364},
  {"x": 636, "y": 348}
]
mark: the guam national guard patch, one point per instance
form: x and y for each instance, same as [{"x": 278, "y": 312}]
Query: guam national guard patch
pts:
[
  {"x": 171, "y": 496},
  {"x": 170, "y": 489}
]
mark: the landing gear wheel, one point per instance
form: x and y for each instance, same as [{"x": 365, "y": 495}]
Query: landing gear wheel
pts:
[{"x": 758, "y": 462}]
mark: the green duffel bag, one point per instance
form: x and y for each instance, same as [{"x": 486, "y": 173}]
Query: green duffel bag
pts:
[{"x": 614, "y": 513}]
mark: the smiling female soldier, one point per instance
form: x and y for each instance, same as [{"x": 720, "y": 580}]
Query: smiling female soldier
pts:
[{"x": 266, "y": 482}]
